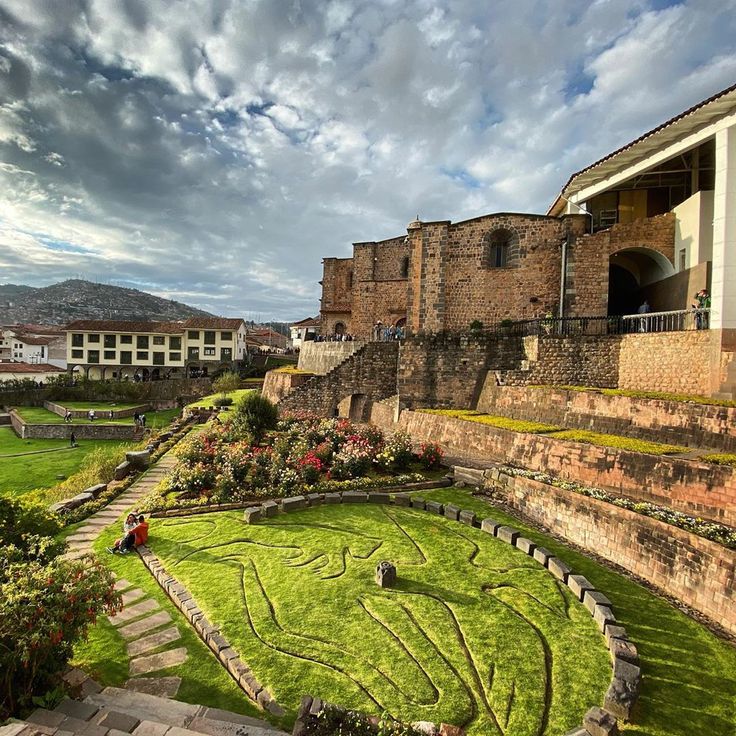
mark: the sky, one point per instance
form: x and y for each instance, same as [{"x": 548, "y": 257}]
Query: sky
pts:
[{"x": 214, "y": 151}]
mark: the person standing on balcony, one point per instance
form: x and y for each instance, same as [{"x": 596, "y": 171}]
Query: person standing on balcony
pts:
[
  {"x": 702, "y": 301},
  {"x": 644, "y": 308}
]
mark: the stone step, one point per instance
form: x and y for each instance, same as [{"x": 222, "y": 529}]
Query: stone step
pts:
[
  {"x": 128, "y": 614},
  {"x": 471, "y": 476},
  {"x": 144, "y": 625},
  {"x": 161, "y": 661},
  {"x": 164, "y": 687},
  {"x": 152, "y": 641}
]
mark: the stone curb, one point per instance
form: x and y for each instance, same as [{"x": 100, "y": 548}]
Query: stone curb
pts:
[{"x": 210, "y": 634}]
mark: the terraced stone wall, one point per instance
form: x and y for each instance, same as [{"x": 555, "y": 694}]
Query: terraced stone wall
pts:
[
  {"x": 700, "y": 573},
  {"x": 676, "y": 422},
  {"x": 278, "y": 385},
  {"x": 87, "y": 431},
  {"x": 321, "y": 357},
  {"x": 696, "y": 488}
]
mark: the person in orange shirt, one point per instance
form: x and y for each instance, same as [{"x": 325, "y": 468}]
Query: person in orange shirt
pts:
[{"x": 137, "y": 535}]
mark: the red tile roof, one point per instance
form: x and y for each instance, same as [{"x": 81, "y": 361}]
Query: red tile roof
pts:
[
  {"x": 32, "y": 339},
  {"x": 308, "y": 322},
  {"x": 29, "y": 368},
  {"x": 213, "y": 323},
  {"x": 113, "y": 325}
]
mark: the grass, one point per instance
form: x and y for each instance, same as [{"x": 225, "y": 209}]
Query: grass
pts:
[
  {"x": 293, "y": 370},
  {"x": 20, "y": 475},
  {"x": 211, "y": 398},
  {"x": 475, "y": 632},
  {"x": 688, "y": 674},
  {"x": 103, "y": 655},
  {"x": 657, "y": 395},
  {"x": 39, "y": 415},
  {"x": 98, "y": 405},
  {"x": 720, "y": 458}
]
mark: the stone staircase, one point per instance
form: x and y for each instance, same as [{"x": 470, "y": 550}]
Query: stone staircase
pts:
[{"x": 116, "y": 712}]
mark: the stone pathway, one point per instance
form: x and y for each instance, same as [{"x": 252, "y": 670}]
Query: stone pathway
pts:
[{"x": 150, "y": 634}]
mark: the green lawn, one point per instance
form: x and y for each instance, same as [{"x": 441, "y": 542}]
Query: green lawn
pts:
[
  {"x": 211, "y": 398},
  {"x": 18, "y": 475},
  {"x": 99, "y": 405},
  {"x": 39, "y": 415},
  {"x": 476, "y": 633},
  {"x": 688, "y": 674},
  {"x": 103, "y": 655}
]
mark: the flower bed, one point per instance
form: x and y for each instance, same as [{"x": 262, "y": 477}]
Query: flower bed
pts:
[{"x": 306, "y": 454}]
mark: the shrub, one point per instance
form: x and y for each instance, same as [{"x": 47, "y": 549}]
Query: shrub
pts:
[
  {"x": 223, "y": 401},
  {"x": 476, "y": 325},
  {"x": 720, "y": 458},
  {"x": 226, "y": 383},
  {"x": 430, "y": 455},
  {"x": 255, "y": 415},
  {"x": 396, "y": 453}
]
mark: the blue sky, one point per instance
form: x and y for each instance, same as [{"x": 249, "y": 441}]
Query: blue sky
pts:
[{"x": 215, "y": 151}]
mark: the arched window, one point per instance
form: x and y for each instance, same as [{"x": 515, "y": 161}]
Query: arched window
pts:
[
  {"x": 498, "y": 244},
  {"x": 405, "y": 267},
  {"x": 339, "y": 328}
]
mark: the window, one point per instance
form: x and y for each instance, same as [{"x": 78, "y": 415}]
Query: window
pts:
[
  {"x": 93, "y": 356},
  {"x": 93, "y": 338},
  {"x": 193, "y": 334},
  {"x": 226, "y": 336},
  {"x": 109, "y": 355},
  {"x": 159, "y": 340},
  {"x": 498, "y": 244},
  {"x": 175, "y": 343},
  {"x": 174, "y": 357},
  {"x": 78, "y": 354},
  {"x": 209, "y": 351},
  {"x": 141, "y": 355},
  {"x": 126, "y": 339},
  {"x": 683, "y": 259},
  {"x": 193, "y": 354},
  {"x": 209, "y": 338},
  {"x": 78, "y": 340},
  {"x": 141, "y": 342},
  {"x": 110, "y": 341},
  {"x": 126, "y": 357},
  {"x": 405, "y": 267},
  {"x": 226, "y": 354},
  {"x": 158, "y": 358}
]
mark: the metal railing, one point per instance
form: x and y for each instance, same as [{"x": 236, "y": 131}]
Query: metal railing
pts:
[{"x": 674, "y": 321}]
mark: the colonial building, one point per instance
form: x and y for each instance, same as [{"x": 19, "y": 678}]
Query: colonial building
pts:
[
  {"x": 33, "y": 344},
  {"x": 20, "y": 371},
  {"x": 304, "y": 331},
  {"x": 121, "y": 349}
]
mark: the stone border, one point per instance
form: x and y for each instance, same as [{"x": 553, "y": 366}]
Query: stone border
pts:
[
  {"x": 623, "y": 690},
  {"x": 60, "y": 409},
  {"x": 209, "y": 634}
]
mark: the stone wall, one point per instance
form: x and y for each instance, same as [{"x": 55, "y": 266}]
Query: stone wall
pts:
[
  {"x": 321, "y": 357},
  {"x": 676, "y": 422},
  {"x": 700, "y": 573},
  {"x": 278, "y": 384},
  {"x": 86, "y": 431},
  {"x": 368, "y": 375},
  {"x": 696, "y": 488},
  {"x": 101, "y": 414},
  {"x": 336, "y": 302},
  {"x": 449, "y": 369},
  {"x": 589, "y": 257},
  {"x": 673, "y": 361}
]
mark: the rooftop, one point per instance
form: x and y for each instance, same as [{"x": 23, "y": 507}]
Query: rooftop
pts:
[{"x": 29, "y": 368}]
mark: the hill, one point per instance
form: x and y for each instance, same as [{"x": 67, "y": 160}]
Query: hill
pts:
[{"x": 76, "y": 299}]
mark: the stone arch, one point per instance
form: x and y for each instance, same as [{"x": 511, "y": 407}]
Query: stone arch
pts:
[
  {"x": 95, "y": 372},
  {"x": 339, "y": 328},
  {"x": 501, "y": 248},
  {"x": 630, "y": 270}
]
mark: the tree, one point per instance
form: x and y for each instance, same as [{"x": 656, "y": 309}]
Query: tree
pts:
[
  {"x": 255, "y": 415},
  {"x": 226, "y": 383}
]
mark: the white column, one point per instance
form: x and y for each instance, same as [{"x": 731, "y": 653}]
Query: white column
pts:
[{"x": 723, "y": 281}]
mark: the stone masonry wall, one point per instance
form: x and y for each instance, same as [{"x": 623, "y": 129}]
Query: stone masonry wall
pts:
[
  {"x": 673, "y": 361},
  {"x": 448, "y": 369},
  {"x": 321, "y": 357},
  {"x": 676, "y": 422},
  {"x": 336, "y": 301},
  {"x": 700, "y": 573},
  {"x": 369, "y": 375},
  {"x": 277, "y": 385},
  {"x": 588, "y": 260},
  {"x": 86, "y": 431},
  {"x": 696, "y": 488}
]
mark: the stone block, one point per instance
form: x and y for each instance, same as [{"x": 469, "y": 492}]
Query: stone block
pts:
[
  {"x": 508, "y": 534},
  {"x": 599, "y": 722},
  {"x": 250, "y": 685},
  {"x": 558, "y": 568},
  {"x": 525, "y": 545},
  {"x": 217, "y": 642},
  {"x": 592, "y": 598},
  {"x": 139, "y": 459},
  {"x": 417, "y": 502},
  {"x": 252, "y": 514},
  {"x": 623, "y": 691},
  {"x": 579, "y": 585},
  {"x": 81, "y": 728},
  {"x": 385, "y": 574},
  {"x": 542, "y": 555},
  {"x": 467, "y": 517},
  {"x": 402, "y": 499},
  {"x": 76, "y": 709},
  {"x": 434, "y": 507},
  {"x": 603, "y": 616},
  {"x": 354, "y": 497},
  {"x": 333, "y": 498},
  {"x": 60, "y": 508},
  {"x": 294, "y": 503},
  {"x": 580, "y": 731},
  {"x": 375, "y": 497},
  {"x": 119, "y": 721},
  {"x": 314, "y": 499},
  {"x": 623, "y": 649},
  {"x": 269, "y": 509},
  {"x": 452, "y": 511},
  {"x": 81, "y": 498},
  {"x": 122, "y": 470},
  {"x": 96, "y": 490},
  {"x": 490, "y": 526},
  {"x": 615, "y": 631}
]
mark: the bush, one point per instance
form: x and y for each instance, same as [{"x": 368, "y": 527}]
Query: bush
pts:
[
  {"x": 430, "y": 455},
  {"x": 396, "y": 453},
  {"x": 255, "y": 415},
  {"x": 46, "y": 604},
  {"x": 226, "y": 383},
  {"x": 223, "y": 401},
  {"x": 476, "y": 325}
]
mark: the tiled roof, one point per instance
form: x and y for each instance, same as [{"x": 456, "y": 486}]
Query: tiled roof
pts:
[
  {"x": 112, "y": 325},
  {"x": 29, "y": 368},
  {"x": 213, "y": 323},
  {"x": 32, "y": 339},
  {"x": 308, "y": 322}
]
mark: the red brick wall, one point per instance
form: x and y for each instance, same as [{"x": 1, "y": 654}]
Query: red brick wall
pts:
[
  {"x": 700, "y": 489},
  {"x": 700, "y": 573}
]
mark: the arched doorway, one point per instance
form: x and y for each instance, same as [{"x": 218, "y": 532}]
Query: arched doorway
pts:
[
  {"x": 339, "y": 328},
  {"x": 630, "y": 272}
]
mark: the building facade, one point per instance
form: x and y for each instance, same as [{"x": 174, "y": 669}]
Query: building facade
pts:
[
  {"x": 104, "y": 349},
  {"x": 33, "y": 344}
]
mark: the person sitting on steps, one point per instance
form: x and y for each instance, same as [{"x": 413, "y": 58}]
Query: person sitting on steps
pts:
[
  {"x": 136, "y": 536},
  {"x": 129, "y": 524}
]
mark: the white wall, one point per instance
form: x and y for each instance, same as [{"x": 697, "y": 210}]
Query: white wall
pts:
[{"x": 694, "y": 229}]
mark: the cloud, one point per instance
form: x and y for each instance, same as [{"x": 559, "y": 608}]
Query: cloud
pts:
[{"x": 216, "y": 150}]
